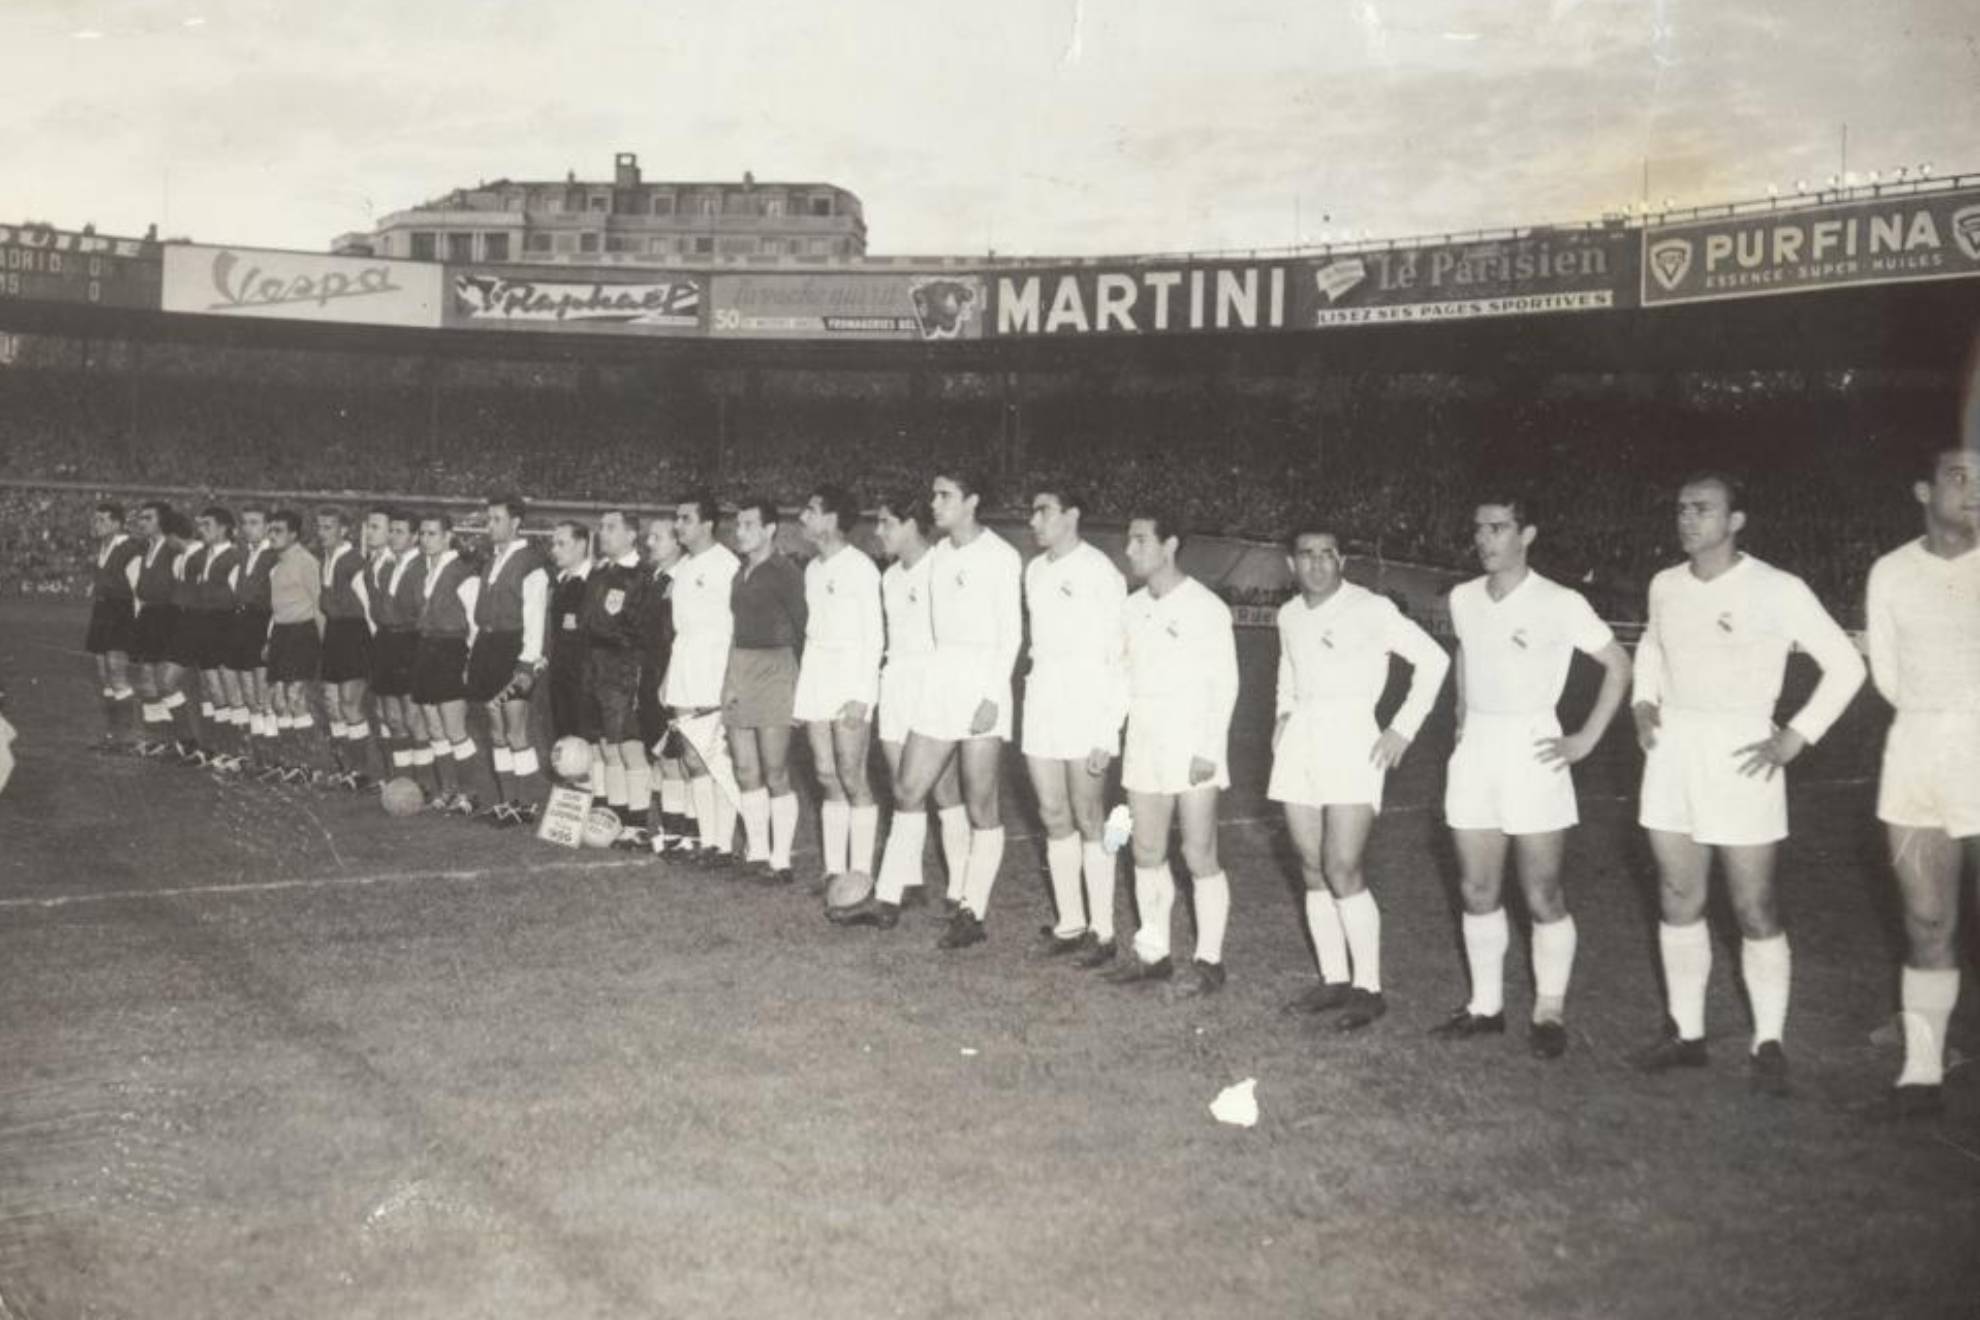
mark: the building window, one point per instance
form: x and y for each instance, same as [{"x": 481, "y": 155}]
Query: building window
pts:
[
  {"x": 821, "y": 206},
  {"x": 743, "y": 245},
  {"x": 460, "y": 247},
  {"x": 773, "y": 206},
  {"x": 739, "y": 203},
  {"x": 711, "y": 204},
  {"x": 587, "y": 242},
  {"x": 660, "y": 245},
  {"x": 566, "y": 243},
  {"x": 537, "y": 241},
  {"x": 633, "y": 203},
  {"x": 422, "y": 246},
  {"x": 818, "y": 247},
  {"x": 663, "y": 203},
  {"x": 494, "y": 247},
  {"x": 703, "y": 245},
  {"x": 574, "y": 200},
  {"x": 599, "y": 201},
  {"x": 771, "y": 247},
  {"x": 621, "y": 243}
]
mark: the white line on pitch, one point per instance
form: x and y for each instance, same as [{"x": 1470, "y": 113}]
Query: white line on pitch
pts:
[{"x": 319, "y": 882}]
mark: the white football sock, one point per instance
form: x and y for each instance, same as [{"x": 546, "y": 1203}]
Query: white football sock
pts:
[
  {"x": 1928, "y": 996},
  {"x": 505, "y": 760},
  {"x": 1767, "y": 967},
  {"x": 955, "y": 846},
  {"x": 900, "y": 865},
  {"x": 1154, "y": 898},
  {"x": 598, "y": 765},
  {"x": 1485, "y": 941},
  {"x": 783, "y": 830},
  {"x": 1098, "y": 868},
  {"x": 1323, "y": 922},
  {"x": 703, "y": 792},
  {"x": 1553, "y": 963},
  {"x": 835, "y": 833},
  {"x": 725, "y": 820},
  {"x": 1213, "y": 914},
  {"x": 865, "y": 831},
  {"x": 1361, "y": 923},
  {"x": 986, "y": 854},
  {"x": 639, "y": 791},
  {"x": 615, "y": 785},
  {"x": 755, "y": 809},
  {"x": 1062, "y": 861},
  {"x": 673, "y": 796},
  {"x": 1687, "y": 954}
]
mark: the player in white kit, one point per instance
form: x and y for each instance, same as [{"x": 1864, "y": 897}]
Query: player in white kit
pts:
[
  {"x": 908, "y": 664},
  {"x": 1075, "y": 698},
  {"x": 839, "y": 678},
  {"x": 1182, "y": 688},
  {"x": 1509, "y": 788},
  {"x": 1329, "y": 760},
  {"x": 1924, "y": 634},
  {"x": 1708, "y": 676},
  {"x": 703, "y": 628},
  {"x": 963, "y": 711}
]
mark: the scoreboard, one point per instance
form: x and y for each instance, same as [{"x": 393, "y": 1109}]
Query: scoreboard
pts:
[{"x": 39, "y": 264}]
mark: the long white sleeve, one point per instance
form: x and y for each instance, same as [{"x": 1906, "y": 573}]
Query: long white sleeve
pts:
[
  {"x": 536, "y": 608},
  {"x": 1647, "y": 676},
  {"x": 1881, "y": 633},
  {"x": 469, "y": 593},
  {"x": 1007, "y": 601},
  {"x": 1842, "y": 666},
  {"x": 872, "y": 628},
  {"x": 1428, "y": 665},
  {"x": 1220, "y": 689}
]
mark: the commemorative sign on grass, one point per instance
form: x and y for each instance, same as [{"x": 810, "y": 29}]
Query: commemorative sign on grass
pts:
[
  {"x": 633, "y": 303},
  {"x": 928, "y": 308},
  {"x": 300, "y": 286},
  {"x": 1911, "y": 236},
  {"x": 40, "y": 264}
]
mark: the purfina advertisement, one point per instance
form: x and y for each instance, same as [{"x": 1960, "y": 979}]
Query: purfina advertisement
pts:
[
  {"x": 55, "y": 265},
  {"x": 634, "y": 303},
  {"x": 1914, "y": 236},
  {"x": 1540, "y": 273},
  {"x": 928, "y": 308},
  {"x": 301, "y": 286}
]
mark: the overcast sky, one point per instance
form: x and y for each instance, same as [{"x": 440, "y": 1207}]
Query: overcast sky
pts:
[{"x": 1030, "y": 126}]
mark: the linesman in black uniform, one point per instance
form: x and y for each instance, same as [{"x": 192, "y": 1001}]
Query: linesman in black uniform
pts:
[
  {"x": 571, "y": 716},
  {"x": 613, "y": 605},
  {"x": 113, "y": 621}
]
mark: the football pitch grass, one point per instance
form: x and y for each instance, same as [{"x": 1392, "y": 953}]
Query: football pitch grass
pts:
[{"x": 268, "y": 1052}]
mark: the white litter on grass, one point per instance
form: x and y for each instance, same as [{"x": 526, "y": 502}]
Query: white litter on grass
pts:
[
  {"x": 1238, "y": 1104},
  {"x": 969, "y": 1053}
]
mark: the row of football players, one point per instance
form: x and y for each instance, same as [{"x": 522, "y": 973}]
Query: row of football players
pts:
[
  {"x": 760, "y": 648},
  {"x": 933, "y": 646},
  {"x": 220, "y": 640}
]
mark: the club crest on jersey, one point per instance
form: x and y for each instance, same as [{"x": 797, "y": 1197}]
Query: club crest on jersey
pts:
[
  {"x": 1066, "y": 590},
  {"x": 1173, "y": 629},
  {"x": 1327, "y": 639},
  {"x": 962, "y": 578},
  {"x": 1519, "y": 638},
  {"x": 1725, "y": 622},
  {"x": 615, "y": 600}
]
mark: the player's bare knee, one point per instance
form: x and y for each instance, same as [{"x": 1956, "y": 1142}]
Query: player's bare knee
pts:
[
  {"x": 1150, "y": 853},
  {"x": 1343, "y": 875},
  {"x": 1200, "y": 856}
]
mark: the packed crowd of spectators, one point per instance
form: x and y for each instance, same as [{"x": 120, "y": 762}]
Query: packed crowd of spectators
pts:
[{"x": 1399, "y": 477}]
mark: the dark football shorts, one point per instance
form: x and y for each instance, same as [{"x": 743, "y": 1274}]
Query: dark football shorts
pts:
[
  {"x": 652, "y": 712},
  {"x": 213, "y": 632},
  {"x": 346, "y": 650},
  {"x": 439, "y": 670},
  {"x": 295, "y": 653},
  {"x": 571, "y": 713},
  {"x": 112, "y": 625},
  {"x": 183, "y": 649},
  {"x": 760, "y": 690},
  {"x": 247, "y": 639},
  {"x": 393, "y": 651},
  {"x": 612, "y": 692},
  {"x": 492, "y": 663},
  {"x": 151, "y": 635}
]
